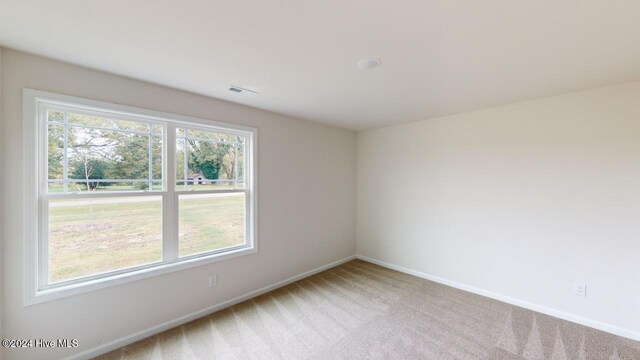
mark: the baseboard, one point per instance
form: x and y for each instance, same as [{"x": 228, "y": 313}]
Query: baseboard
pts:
[
  {"x": 112, "y": 345},
  {"x": 633, "y": 335}
]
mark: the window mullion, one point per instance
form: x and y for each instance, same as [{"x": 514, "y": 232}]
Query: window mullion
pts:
[{"x": 169, "y": 200}]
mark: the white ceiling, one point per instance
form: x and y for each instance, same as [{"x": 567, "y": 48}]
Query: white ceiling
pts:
[{"x": 438, "y": 56}]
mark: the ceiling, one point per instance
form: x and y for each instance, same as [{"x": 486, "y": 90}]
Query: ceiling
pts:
[{"x": 438, "y": 57}]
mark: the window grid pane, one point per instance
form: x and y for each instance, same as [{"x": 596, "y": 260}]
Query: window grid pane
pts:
[
  {"x": 209, "y": 160},
  {"x": 211, "y": 222},
  {"x": 97, "y": 235},
  {"x": 102, "y": 154}
]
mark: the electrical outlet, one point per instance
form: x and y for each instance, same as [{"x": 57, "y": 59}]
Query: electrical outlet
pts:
[
  {"x": 213, "y": 280},
  {"x": 579, "y": 289}
]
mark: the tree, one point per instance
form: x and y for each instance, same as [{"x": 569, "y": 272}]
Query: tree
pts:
[
  {"x": 90, "y": 169},
  {"x": 231, "y": 157},
  {"x": 214, "y": 160},
  {"x": 55, "y": 151},
  {"x": 89, "y": 154},
  {"x": 103, "y": 148},
  {"x": 130, "y": 157},
  {"x": 205, "y": 157}
]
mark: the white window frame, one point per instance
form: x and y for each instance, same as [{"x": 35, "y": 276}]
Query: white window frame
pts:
[{"x": 36, "y": 288}]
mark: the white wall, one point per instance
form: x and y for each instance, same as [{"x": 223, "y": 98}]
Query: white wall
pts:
[
  {"x": 520, "y": 200},
  {"x": 306, "y": 189},
  {"x": 2, "y": 271}
]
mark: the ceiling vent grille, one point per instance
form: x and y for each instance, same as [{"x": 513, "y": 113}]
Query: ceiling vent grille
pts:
[{"x": 238, "y": 89}]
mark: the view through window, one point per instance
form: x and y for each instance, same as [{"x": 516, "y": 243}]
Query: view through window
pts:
[{"x": 107, "y": 207}]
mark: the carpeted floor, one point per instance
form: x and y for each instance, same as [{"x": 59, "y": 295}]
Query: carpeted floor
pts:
[{"x": 362, "y": 311}]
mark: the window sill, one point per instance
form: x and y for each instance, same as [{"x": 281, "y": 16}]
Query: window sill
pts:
[{"x": 62, "y": 291}]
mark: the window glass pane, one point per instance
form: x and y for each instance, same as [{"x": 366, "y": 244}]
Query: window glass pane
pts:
[
  {"x": 55, "y": 186},
  {"x": 180, "y": 161},
  {"x": 55, "y": 116},
  {"x": 96, "y": 235},
  {"x": 213, "y": 160},
  {"x": 102, "y": 158},
  {"x": 55, "y": 148},
  {"x": 156, "y": 156},
  {"x": 209, "y": 222},
  {"x": 241, "y": 165}
]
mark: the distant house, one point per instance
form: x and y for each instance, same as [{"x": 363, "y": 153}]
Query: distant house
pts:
[{"x": 199, "y": 179}]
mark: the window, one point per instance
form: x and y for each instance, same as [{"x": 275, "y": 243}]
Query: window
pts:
[
  {"x": 118, "y": 193},
  {"x": 206, "y": 160}
]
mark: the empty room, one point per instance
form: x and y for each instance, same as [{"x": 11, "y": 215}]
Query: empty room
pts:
[{"x": 414, "y": 179}]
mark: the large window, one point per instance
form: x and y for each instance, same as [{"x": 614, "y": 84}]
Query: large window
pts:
[{"x": 118, "y": 193}]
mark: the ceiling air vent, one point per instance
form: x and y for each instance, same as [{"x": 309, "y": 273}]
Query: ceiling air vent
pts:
[{"x": 238, "y": 89}]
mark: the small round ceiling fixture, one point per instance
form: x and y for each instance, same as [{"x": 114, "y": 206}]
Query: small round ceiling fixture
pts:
[{"x": 369, "y": 63}]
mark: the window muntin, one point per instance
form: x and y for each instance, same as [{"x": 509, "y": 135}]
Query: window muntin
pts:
[{"x": 71, "y": 129}]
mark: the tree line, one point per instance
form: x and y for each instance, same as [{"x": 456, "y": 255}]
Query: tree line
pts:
[{"x": 103, "y": 154}]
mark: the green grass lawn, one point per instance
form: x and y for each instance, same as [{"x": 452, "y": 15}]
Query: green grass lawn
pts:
[
  {"x": 207, "y": 224},
  {"x": 93, "y": 237}
]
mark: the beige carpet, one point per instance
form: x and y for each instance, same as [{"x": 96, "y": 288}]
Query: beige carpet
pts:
[{"x": 362, "y": 311}]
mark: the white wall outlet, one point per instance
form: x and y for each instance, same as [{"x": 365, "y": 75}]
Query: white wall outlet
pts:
[
  {"x": 579, "y": 289},
  {"x": 213, "y": 280}
]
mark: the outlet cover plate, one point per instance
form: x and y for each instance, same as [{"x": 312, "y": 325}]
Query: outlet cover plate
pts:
[{"x": 579, "y": 289}]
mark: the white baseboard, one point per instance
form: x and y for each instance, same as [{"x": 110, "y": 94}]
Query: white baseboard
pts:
[
  {"x": 115, "y": 344},
  {"x": 630, "y": 334}
]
